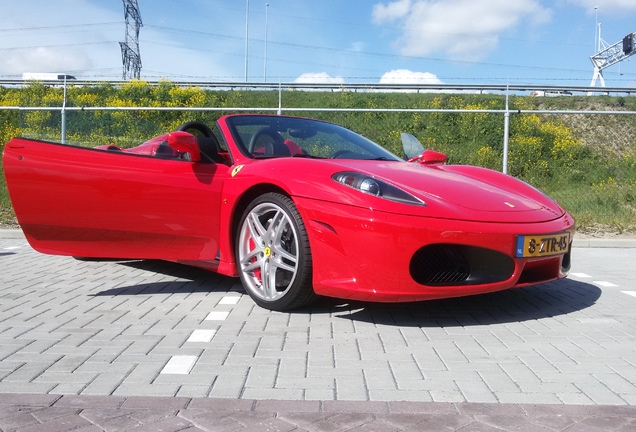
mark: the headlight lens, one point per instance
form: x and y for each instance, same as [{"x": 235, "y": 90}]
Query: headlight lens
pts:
[{"x": 371, "y": 186}]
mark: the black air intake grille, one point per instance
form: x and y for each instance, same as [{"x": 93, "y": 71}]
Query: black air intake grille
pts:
[
  {"x": 452, "y": 265},
  {"x": 439, "y": 265}
]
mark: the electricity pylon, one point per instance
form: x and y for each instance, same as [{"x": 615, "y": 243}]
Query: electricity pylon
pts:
[{"x": 130, "y": 48}]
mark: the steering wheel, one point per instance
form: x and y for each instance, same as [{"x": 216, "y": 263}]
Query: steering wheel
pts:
[
  {"x": 197, "y": 125},
  {"x": 339, "y": 153},
  {"x": 264, "y": 131}
]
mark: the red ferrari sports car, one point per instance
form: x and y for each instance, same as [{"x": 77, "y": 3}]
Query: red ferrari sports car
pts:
[{"x": 296, "y": 207}]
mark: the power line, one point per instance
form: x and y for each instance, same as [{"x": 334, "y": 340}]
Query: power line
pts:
[
  {"x": 56, "y": 27},
  {"x": 56, "y": 45},
  {"x": 348, "y": 52}
]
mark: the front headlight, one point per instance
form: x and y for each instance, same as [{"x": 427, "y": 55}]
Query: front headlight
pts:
[{"x": 372, "y": 186}]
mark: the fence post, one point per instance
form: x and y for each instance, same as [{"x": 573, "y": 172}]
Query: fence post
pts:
[
  {"x": 63, "y": 137},
  {"x": 506, "y": 133}
]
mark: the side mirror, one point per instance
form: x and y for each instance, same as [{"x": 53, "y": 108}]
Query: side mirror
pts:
[
  {"x": 430, "y": 157},
  {"x": 186, "y": 143},
  {"x": 414, "y": 151}
]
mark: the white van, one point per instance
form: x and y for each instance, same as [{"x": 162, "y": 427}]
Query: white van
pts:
[{"x": 46, "y": 76}]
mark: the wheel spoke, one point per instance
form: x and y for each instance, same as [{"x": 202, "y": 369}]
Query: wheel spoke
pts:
[
  {"x": 269, "y": 280},
  {"x": 284, "y": 266},
  {"x": 278, "y": 248},
  {"x": 280, "y": 252},
  {"x": 250, "y": 256},
  {"x": 248, "y": 266},
  {"x": 256, "y": 228},
  {"x": 274, "y": 225},
  {"x": 279, "y": 229}
]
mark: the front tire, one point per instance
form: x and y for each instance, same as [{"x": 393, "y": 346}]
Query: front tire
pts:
[{"x": 273, "y": 254}]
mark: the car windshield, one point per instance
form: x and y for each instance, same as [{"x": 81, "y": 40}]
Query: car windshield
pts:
[{"x": 264, "y": 136}]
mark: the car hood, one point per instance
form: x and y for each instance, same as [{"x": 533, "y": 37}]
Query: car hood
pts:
[{"x": 466, "y": 192}]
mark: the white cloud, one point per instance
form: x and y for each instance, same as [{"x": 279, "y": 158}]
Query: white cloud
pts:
[
  {"x": 460, "y": 29},
  {"x": 51, "y": 38},
  {"x": 318, "y": 78},
  {"x": 391, "y": 11},
  {"x": 405, "y": 76},
  {"x": 44, "y": 59}
]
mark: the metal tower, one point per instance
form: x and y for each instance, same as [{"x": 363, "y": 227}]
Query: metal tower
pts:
[
  {"x": 130, "y": 48},
  {"x": 609, "y": 55}
]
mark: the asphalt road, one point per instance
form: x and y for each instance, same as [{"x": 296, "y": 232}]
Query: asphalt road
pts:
[{"x": 148, "y": 330}]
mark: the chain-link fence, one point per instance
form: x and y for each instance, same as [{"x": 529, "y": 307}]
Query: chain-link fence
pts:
[{"x": 581, "y": 150}]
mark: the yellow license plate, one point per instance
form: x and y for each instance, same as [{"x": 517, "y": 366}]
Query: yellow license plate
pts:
[{"x": 542, "y": 245}]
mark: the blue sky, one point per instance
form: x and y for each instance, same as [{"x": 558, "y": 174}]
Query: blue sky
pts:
[{"x": 342, "y": 41}]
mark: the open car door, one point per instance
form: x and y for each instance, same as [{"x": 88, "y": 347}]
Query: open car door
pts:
[{"x": 110, "y": 204}]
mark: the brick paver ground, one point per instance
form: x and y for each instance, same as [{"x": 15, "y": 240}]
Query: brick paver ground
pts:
[{"x": 117, "y": 335}]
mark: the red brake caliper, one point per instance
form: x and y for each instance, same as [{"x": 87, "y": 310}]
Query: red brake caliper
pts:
[{"x": 257, "y": 272}]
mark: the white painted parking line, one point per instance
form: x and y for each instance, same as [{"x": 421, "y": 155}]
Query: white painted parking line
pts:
[
  {"x": 631, "y": 293},
  {"x": 217, "y": 316},
  {"x": 12, "y": 248},
  {"x": 202, "y": 336},
  {"x": 230, "y": 300},
  {"x": 604, "y": 284},
  {"x": 181, "y": 365},
  {"x": 581, "y": 275}
]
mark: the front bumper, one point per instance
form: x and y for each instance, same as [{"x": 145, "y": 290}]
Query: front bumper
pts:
[{"x": 363, "y": 254}]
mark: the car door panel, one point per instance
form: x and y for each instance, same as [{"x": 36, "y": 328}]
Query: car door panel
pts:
[{"x": 97, "y": 203}]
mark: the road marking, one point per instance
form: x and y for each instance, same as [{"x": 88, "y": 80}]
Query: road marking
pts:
[
  {"x": 202, "y": 336},
  {"x": 12, "y": 248},
  {"x": 631, "y": 293},
  {"x": 181, "y": 365},
  {"x": 604, "y": 284},
  {"x": 600, "y": 283},
  {"x": 597, "y": 320},
  {"x": 229, "y": 300},
  {"x": 217, "y": 316}
]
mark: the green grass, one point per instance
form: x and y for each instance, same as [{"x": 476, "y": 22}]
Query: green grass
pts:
[{"x": 586, "y": 162}]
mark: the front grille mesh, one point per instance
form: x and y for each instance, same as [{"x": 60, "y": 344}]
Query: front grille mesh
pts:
[
  {"x": 453, "y": 265},
  {"x": 442, "y": 265}
]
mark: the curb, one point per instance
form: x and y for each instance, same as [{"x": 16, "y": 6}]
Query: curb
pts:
[
  {"x": 11, "y": 234},
  {"x": 604, "y": 243},
  {"x": 121, "y": 413},
  {"x": 577, "y": 243}
]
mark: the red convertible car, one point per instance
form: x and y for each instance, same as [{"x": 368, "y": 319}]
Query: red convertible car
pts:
[{"x": 296, "y": 207}]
